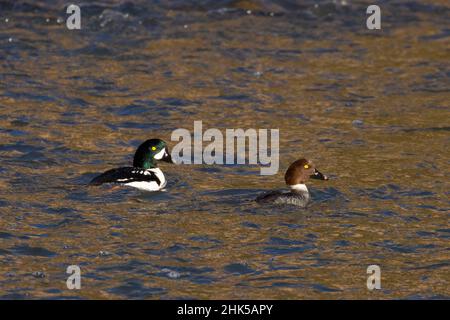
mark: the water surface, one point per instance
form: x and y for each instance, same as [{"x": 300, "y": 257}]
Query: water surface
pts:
[{"x": 371, "y": 108}]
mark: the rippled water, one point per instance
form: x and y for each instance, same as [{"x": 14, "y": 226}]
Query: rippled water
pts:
[{"x": 371, "y": 108}]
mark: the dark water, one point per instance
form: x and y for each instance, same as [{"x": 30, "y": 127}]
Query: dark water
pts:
[{"x": 371, "y": 108}]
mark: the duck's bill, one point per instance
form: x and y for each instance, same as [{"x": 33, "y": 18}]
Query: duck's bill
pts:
[
  {"x": 167, "y": 157},
  {"x": 318, "y": 175}
]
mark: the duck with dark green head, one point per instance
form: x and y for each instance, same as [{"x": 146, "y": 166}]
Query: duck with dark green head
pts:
[{"x": 144, "y": 174}]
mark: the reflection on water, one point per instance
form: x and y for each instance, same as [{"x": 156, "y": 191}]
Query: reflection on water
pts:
[{"x": 370, "y": 107}]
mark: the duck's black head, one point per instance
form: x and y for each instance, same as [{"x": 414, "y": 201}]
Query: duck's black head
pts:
[{"x": 151, "y": 151}]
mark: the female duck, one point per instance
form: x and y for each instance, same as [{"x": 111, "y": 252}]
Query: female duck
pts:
[
  {"x": 144, "y": 174},
  {"x": 296, "y": 176}
]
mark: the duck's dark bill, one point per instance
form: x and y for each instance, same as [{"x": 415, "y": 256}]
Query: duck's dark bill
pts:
[
  {"x": 167, "y": 157},
  {"x": 318, "y": 175}
]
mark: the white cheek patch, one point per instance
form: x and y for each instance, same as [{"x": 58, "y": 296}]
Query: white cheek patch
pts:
[{"x": 160, "y": 154}]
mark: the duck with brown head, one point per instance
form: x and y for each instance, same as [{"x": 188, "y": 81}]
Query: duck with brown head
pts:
[{"x": 298, "y": 173}]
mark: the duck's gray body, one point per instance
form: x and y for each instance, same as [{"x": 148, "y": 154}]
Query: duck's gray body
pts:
[{"x": 294, "y": 197}]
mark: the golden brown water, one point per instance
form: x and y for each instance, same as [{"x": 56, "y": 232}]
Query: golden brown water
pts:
[{"x": 371, "y": 108}]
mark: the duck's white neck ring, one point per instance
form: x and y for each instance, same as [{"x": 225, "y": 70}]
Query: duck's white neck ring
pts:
[{"x": 299, "y": 187}]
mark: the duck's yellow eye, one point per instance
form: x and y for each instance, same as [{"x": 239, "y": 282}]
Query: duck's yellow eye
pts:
[
  {"x": 306, "y": 166},
  {"x": 153, "y": 148}
]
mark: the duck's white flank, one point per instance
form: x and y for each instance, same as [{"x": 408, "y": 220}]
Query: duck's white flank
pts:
[
  {"x": 144, "y": 185},
  {"x": 150, "y": 185}
]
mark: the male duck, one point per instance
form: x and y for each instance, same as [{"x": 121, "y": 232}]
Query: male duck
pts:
[{"x": 144, "y": 174}]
